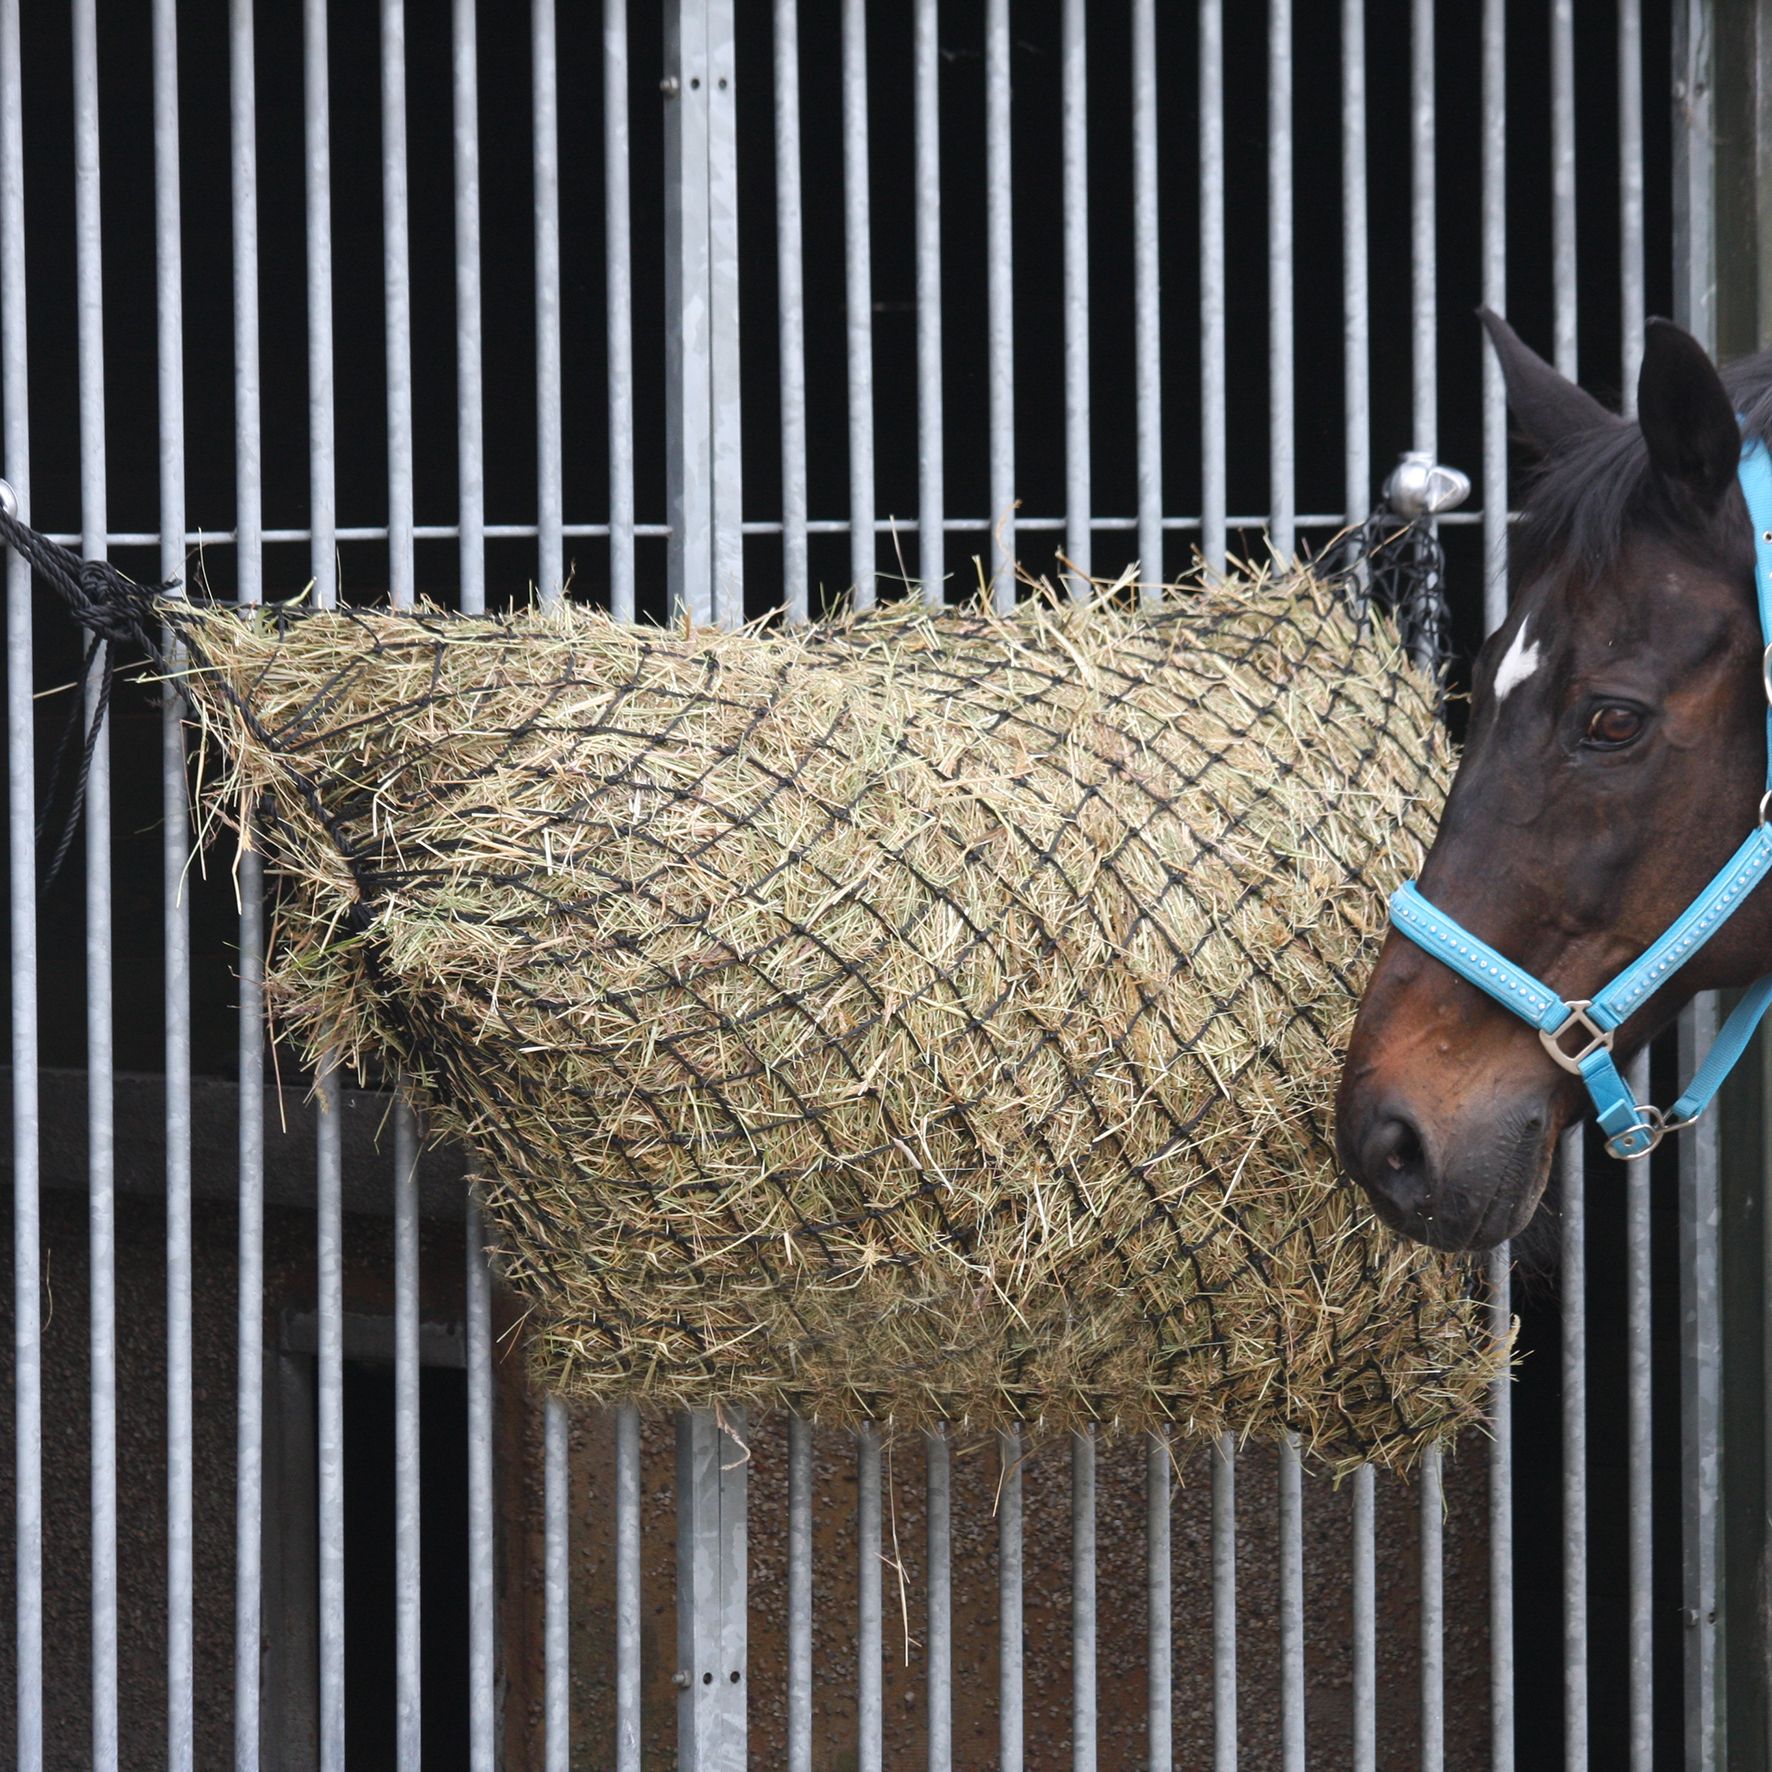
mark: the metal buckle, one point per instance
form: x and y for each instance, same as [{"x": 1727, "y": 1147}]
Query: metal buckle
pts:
[
  {"x": 1766, "y": 670},
  {"x": 1599, "y": 1038},
  {"x": 1653, "y": 1121}
]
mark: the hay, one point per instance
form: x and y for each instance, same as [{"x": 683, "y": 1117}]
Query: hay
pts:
[{"x": 912, "y": 1017}]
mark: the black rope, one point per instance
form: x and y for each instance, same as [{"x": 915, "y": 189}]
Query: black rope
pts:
[{"x": 1398, "y": 565}]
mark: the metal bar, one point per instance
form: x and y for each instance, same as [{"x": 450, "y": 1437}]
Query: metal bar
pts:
[
  {"x": 482, "y": 1601},
  {"x": 1573, "y": 1285},
  {"x": 1083, "y": 1715},
  {"x": 1640, "y": 1688},
  {"x": 1074, "y": 131},
  {"x": 1159, "y": 1608},
  {"x": 181, "y": 1686},
  {"x": 1000, "y": 300},
  {"x": 1424, "y": 282},
  {"x": 627, "y": 1589},
  {"x": 1356, "y": 355},
  {"x": 799, "y": 1730},
  {"x": 1630, "y": 194},
  {"x": 550, "y": 496},
  {"x": 940, "y": 1658},
  {"x": 1291, "y": 1607},
  {"x": 322, "y": 470},
  {"x": 396, "y": 301},
  {"x": 556, "y": 1591},
  {"x": 619, "y": 295},
  {"x": 470, "y": 400},
  {"x": 725, "y": 443},
  {"x": 869, "y": 1719},
  {"x": 926, "y": 128},
  {"x": 101, "y": 1141},
  {"x": 1433, "y": 1616},
  {"x": 1224, "y": 1604},
  {"x": 791, "y": 312},
  {"x": 249, "y": 1352},
  {"x": 858, "y": 301},
  {"x": 1147, "y": 307},
  {"x": 1700, "y": 1404},
  {"x": 1010, "y": 1640},
  {"x": 1364, "y": 1606},
  {"x": 1562, "y": 61},
  {"x": 1213, "y": 523},
  {"x": 689, "y": 506},
  {"x": 27, "y": 1372},
  {"x": 711, "y": 1465},
  {"x": 1282, "y": 442}
]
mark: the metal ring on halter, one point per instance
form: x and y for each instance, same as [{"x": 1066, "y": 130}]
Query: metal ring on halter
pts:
[
  {"x": 1599, "y": 1038},
  {"x": 9, "y": 504},
  {"x": 1766, "y": 670},
  {"x": 1651, "y": 1120},
  {"x": 1765, "y": 803}
]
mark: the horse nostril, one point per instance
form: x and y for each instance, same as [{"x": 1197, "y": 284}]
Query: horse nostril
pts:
[{"x": 1394, "y": 1166}]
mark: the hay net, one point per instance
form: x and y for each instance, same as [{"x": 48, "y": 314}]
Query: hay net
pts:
[{"x": 918, "y": 1016}]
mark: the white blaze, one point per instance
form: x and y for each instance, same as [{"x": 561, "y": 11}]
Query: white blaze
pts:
[{"x": 1519, "y": 664}]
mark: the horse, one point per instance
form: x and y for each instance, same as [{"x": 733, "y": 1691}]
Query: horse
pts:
[{"x": 1616, "y": 756}]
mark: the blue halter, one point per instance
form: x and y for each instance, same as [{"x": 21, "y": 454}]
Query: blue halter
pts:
[{"x": 1633, "y": 1130}]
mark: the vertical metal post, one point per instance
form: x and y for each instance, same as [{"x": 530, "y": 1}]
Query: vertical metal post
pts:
[
  {"x": 181, "y": 1688},
  {"x": 317, "y": 150},
  {"x": 1147, "y": 300},
  {"x": 1356, "y": 370},
  {"x": 482, "y": 1601},
  {"x": 550, "y": 495},
  {"x": 1573, "y": 1285},
  {"x": 1364, "y": 1605},
  {"x": 249, "y": 553},
  {"x": 1630, "y": 193},
  {"x": 1212, "y": 288},
  {"x": 1010, "y": 1640},
  {"x": 1640, "y": 1687},
  {"x": 1159, "y": 1608},
  {"x": 858, "y": 301},
  {"x": 791, "y": 313},
  {"x": 100, "y": 1127},
  {"x": 27, "y": 1305},
  {"x": 556, "y": 1591},
  {"x": 869, "y": 1719},
  {"x": 799, "y": 1595},
  {"x": 1083, "y": 1717},
  {"x": 1000, "y": 300},
  {"x": 940, "y": 1659},
  {"x": 926, "y": 128},
  {"x": 711, "y": 1464},
  {"x": 1562, "y": 62},
  {"x": 618, "y": 284},
  {"x": 1282, "y": 446},
  {"x": 627, "y": 1589},
  {"x": 1074, "y": 129},
  {"x": 1433, "y": 1616},
  {"x": 1224, "y": 1604},
  {"x": 1291, "y": 1525}
]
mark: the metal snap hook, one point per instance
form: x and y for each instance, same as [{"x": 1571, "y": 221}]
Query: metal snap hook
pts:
[{"x": 9, "y": 504}]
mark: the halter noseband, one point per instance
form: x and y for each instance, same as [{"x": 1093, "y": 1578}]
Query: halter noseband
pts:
[{"x": 1633, "y": 1130}]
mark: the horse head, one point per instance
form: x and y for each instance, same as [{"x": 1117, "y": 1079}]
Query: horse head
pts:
[{"x": 1615, "y": 759}]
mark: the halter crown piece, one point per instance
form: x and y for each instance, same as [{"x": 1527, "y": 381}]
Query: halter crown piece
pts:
[{"x": 1578, "y": 1032}]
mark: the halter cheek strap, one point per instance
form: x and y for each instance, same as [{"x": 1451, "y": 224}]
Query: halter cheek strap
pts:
[{"x": 1578, "y": 1032}]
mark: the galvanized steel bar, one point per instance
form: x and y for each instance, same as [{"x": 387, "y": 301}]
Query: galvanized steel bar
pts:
[
  {"x": 1147, "y": 312},
  {"x": 1212, "y": 287},
  {"x": 1433, "y": 1615},
  {"x": 181, "y": 1648},
  {"x": 1282, "y": 444},
  {"x": 1573, "y": 1286},
  {"x": 926, "y": 130},
  {"x": 711, "y": 1618},
  {"x": 322, "y": 458},
  {"x": 939, "y": 1659},
  {"x": 1562, "y": 65},
  {"x": 1000, "y": 300},
  {"x": 725, "y": 441},
  {"x": 1423, "y": 282},
  {"x": 1159, "y": 1729},
  {"x": 1291, "y": 1526},
  {"x": 619, "y": 318},
  {"x": 1640, "y": 1687},
  {"x": 1224, "y": 1604},
  {"x": 396, "y": 301},
  {"x": 1074, "y": 133},
  {"x": 858, "y": 301},
  {"x": 407, "y": 1615},
  {"x": 100, "y": 1128},
  {"x": 249, "y": 566},
  {"x": 1363, "y": 1603},
  {"x": 556, "y": 1627},
  {"x": 791, "y": 312},
  {"x": 627, "y": 1589},
  {"x": 1630, "y": 194},
  {"x": 549, "y": 470},
  {"x": 470, "y": 400},
  {"x": 27, "y": 1308},
  {"x": 482, "y": 1601},
  {"x": 1083, "y": 1718},
  {"x": 799, "y": 1720},
  {"x": 1010, "y": 1643},
  {"x": 869, "y": 1718},
  {"x": 1356, "y": 356}
]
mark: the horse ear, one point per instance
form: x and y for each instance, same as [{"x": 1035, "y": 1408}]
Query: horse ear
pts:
[
  {"x": 1687, "y": 416},
  {"x": 1549, "y": 407}
]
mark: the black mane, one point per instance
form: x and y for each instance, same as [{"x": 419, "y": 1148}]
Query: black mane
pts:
[{"x": 1584, "y": 500}]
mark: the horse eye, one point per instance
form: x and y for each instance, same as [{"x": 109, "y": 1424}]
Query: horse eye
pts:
[{"x": 1613, "y": 726}]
